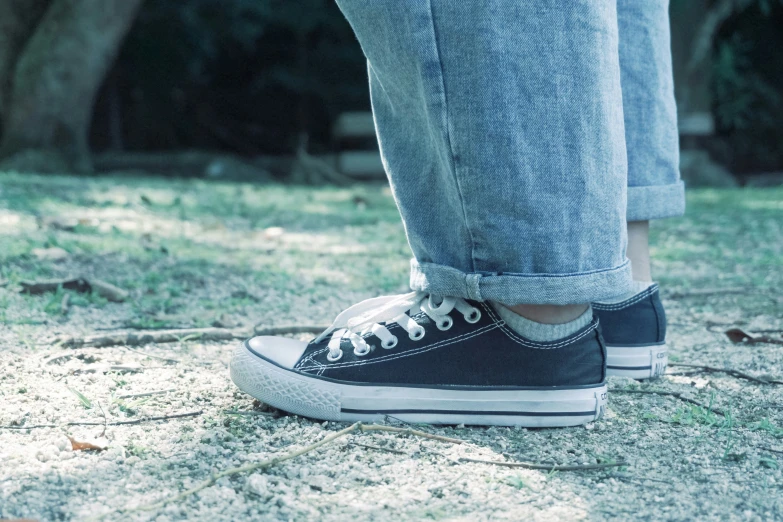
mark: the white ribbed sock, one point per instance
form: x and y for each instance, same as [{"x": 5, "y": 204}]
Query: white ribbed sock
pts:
[
  {"x": 636, "y": 288},
  {"x": 541, "y": 332}
]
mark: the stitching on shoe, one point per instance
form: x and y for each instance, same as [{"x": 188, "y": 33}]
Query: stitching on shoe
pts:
[
  {"x": 532, "y": 344},
  {"x": 633, "y": 300},
  {"x": 497, "y": 323},
  {"x": 408, "y": 353}
]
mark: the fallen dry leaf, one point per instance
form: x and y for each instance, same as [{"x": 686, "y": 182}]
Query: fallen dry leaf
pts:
[
  {"x": 83, "y": 446},
  {"x": 737, "y": 335}
]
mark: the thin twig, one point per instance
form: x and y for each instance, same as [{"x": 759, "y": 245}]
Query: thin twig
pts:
[
  {"x": 447, "y": 484},
  {"x": 57, "y": 357},
  {"x": 116, "y": 423},
  {"x": 158, "y": 336},
  {"x": 251, "y": 413},
  {"x": 105, "y": 423},
  {"x": 549, "y": 467},
  {"x": 167, "y": 359},
  {"x": 408, "y": 431},
  {"x": 379, "y": 448},
  {"x": 765, "y": 448},
  {"x": 729, "y": 371},
  {"x": 289, "y": 329},
  {"x": 677, "y": 395},
  {"x": 146, "y": 394},
  {"x": 623, "y": 475},
  {"x": 64, "y": 304}
]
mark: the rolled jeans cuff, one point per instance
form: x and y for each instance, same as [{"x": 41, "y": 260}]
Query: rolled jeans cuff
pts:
[
  {"x": 655, "y": 201},
  {"x": 512, "y": 289}
]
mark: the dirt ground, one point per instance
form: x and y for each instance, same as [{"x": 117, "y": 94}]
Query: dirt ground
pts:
[{"x": 184, "y": 254}]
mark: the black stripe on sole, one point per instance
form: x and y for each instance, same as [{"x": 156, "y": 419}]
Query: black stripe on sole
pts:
[
  {"x": 629, "y": 367},
  {"x": 464, "y": 412}
]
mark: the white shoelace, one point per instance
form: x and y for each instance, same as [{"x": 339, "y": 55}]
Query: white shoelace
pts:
[{"x": 365, "y": 318}]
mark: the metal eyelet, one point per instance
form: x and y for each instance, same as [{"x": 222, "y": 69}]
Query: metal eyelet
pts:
[
  {"x": 362, "y": 353},
  {"x": 391, "y": 344},
  {"x": 330, "y": 359},
  {"x": 474, "y": 316},
  {"x": 446, "y": 324},
  {"x": 417, "y": 334}
]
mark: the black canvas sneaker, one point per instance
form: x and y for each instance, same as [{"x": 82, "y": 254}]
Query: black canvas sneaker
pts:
[
  {"x": 635, "y": 335},
  {"x": 421, "y": 359}
]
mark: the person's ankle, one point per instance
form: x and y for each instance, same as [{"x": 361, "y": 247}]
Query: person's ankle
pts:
[
  {"x": 638, "y": 251},
  {"x": 549, "y": 314},
  {"x": 548, "y": 323}
]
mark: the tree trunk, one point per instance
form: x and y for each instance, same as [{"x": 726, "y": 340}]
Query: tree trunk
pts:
[
  {"x": 56, "y": 80},
  {"x": 17, "y": 21}
]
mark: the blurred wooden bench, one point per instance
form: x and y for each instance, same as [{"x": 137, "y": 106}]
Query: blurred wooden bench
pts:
[{"x": 355, "y": 146}]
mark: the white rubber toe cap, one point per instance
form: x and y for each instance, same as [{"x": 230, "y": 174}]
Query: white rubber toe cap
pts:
[{"x": 280, "y": 350}]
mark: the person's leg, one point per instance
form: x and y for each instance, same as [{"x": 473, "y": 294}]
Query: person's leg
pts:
[
  {"x": 501, "y": 128},
  {"x": 638, "y": 251},
  {"x": 655, "y": 189},
  {"x": 634, "y": 323}
]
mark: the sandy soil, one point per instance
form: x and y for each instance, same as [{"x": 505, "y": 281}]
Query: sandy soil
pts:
[{"x": 198, "y": 254}]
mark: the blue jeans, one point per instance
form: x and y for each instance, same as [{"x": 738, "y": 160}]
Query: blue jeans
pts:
[{"x": 520, "y": 136}]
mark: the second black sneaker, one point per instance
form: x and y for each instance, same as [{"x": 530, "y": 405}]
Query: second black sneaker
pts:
[
  {"x": 635, "y": 334},
  {"x": 423, "y": 359}
]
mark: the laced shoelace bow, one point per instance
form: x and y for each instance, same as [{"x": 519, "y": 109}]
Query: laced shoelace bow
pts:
[{"x": 366, "y": 317}]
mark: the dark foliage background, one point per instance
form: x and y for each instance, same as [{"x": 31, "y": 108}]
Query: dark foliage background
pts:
[
  {"x": 257, "y": 77},
  {"x": 747, "y": 89},
  {"x": 247, "y": 76}
]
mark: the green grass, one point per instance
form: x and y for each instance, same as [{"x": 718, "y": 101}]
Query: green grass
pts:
[{"x": 186, "y": 250}]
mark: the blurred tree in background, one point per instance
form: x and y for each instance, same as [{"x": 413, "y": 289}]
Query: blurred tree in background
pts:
[
  {"x": 261, "y": 78},
  {"x": 53, "y": 59}
]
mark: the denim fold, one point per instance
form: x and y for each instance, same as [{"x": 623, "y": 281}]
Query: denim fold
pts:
[{"x": 520, "y": 288}]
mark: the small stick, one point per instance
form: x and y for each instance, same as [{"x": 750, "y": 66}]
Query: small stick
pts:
[
  {"x": 167, "y": 359},
  {"x": 143, "y": 419},
  {"x": 116, "y": 423},
  {"x": 146, "y": 394},
  {"x": 64, "y": 304},
  {"x": 105, "y": 425},
  {"x": 379, "y": 448},
  {"x": 158, "y": 336},
  {"x": 408, "y": 431},
  {"x": 677, "y": 395},
  {"x": 289, "y": 329},
  {"x": 250, "y": 413},
  {"x": 534, "y": 465},
  {"x": 729, "y": 371},
  {"x": 57, "y": 357}
]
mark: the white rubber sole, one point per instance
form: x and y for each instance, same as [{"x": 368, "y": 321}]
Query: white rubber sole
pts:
[
  {"x": 336, "y": 401},
  {"x": 637, "y": 362}
]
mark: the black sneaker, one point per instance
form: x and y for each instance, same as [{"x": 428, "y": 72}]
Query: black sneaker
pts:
[
  {"x": 635, "y": 335},
  {"x": 420, "y": 360}
]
